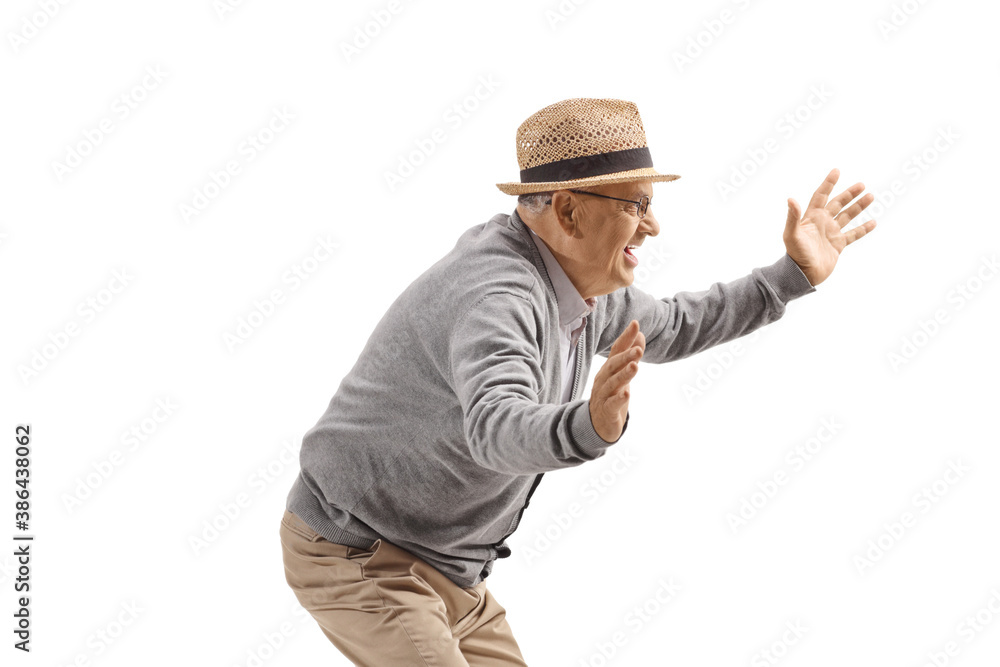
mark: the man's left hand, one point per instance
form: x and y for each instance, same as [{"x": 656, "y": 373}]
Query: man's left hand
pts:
[{"x": 814, "y": 239}]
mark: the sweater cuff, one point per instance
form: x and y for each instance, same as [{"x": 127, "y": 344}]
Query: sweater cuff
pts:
[
  {"x": 787, "y": 279},
  {"x": 586, "y": 436}
]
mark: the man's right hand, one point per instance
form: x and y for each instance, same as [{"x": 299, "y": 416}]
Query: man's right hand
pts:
[{"x": 609, "y": 397}]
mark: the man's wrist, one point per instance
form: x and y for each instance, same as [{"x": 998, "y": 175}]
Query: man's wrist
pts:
[
  {"x": 588, "y": 438},
  {"x": 787, "y": 278}
]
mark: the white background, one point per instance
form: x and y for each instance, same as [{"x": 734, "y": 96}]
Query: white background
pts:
[{"x": 891, "y": 91}]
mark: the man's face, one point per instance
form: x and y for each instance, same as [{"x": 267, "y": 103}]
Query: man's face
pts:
[{"x": 598, "y": 263}]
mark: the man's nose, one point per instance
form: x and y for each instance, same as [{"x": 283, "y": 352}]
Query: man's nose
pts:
[{"x": 649, "y": 223}]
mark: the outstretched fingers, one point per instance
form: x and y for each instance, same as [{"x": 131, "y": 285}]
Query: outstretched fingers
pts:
[
  {"x": 794, "y": 215},
  {"x": 623, "y": 366},
  {"x": 625, "y": 374},
  {"x": 841, "y": 200},
  {"x": 853, "y": 235},
  {"x": 623, "y": 359},
  {"x": 823, "y": 191},
  {"x": 852, "y": 212},
  {"x": 626, "y": 338}
]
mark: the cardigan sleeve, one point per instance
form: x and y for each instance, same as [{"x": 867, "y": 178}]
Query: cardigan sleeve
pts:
[
  {"x": 690, "y": 322},
  {"x": 496, "y": 370}
]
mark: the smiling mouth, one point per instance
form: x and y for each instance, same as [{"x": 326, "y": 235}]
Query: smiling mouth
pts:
[{"x": 630, "y": 257}]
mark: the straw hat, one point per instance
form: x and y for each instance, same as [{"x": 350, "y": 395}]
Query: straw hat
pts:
[{"x": 581, "y": 142}]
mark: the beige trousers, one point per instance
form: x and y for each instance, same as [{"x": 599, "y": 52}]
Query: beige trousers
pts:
[{"x": 385, "y": 607}]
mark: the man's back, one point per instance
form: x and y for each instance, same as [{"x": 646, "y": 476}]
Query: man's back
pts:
[{"x": 389, "y": 458}]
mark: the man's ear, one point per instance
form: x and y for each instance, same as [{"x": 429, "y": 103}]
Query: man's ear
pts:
[{"x": 566, "y": 211}]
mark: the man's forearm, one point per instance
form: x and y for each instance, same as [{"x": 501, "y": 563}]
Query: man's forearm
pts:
[{"x": 690, "y": 322}]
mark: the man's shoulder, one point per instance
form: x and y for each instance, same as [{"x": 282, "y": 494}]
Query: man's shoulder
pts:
[{"x": 489, "y": 257}]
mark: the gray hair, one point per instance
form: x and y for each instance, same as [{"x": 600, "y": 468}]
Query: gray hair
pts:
[{"x": 537, "y": 201}]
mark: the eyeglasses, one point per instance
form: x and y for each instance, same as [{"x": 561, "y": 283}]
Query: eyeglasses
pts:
[{"x": 640, "y": 206}]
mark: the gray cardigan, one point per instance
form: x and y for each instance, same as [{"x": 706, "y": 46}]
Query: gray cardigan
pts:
[{"x": 437, "y": 437}]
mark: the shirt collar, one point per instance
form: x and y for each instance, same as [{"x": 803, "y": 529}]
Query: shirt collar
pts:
[{"x": 572, "y": 306}]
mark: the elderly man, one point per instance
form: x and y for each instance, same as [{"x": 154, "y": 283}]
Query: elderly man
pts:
[{"x": 467, "y": 391}]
